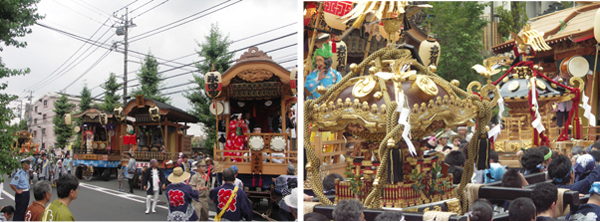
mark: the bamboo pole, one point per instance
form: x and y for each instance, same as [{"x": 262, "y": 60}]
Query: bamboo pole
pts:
[{"x": 312, "y": 43}]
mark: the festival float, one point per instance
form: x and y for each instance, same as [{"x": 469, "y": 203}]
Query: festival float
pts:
[
  {"x": 24, "y": 143},
  {"x": 255, "y": 89},
  {"x": 389, "y": 110},
  {"x": 559, "y": 59}
]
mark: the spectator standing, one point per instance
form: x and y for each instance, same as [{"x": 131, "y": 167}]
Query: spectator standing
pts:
[
  {"x": 237, "y": 182},
  {"x": 44, "y": 168},
  {"x": 121, "y": 171},
  {"x": 131, "y": 169},
  {"x": 227, "y": 207},
  {"x": 544, "y": 196},
  {"x": 6, "y": 213},
  {"x": 590, "y": 210},
  {"x": 42, "y": 192},
  {"x": 68, "y": 163},
  {"x": 180, "y": 196},
  {"x": 199, "y": 182},
  {"x": 67, "y": 188},
  {"x": 521, "y": 209},
  {"x": 349, "y": 210},
  {"x": 20, "y": 184},
  {"x": 153, "y": 183}
]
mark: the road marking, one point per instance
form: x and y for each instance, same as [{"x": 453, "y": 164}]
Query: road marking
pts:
[{"x": 8, "y": 194}]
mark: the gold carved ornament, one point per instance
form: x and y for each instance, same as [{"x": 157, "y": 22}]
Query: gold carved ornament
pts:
[{"x": 255, "y": 75}]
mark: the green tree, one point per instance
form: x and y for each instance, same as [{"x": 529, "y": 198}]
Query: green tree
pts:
[
  {"x": 111, "y": 98},
  {"x": 61, "y": 130},
  {"x": 150, "y": 81},
  {"x": 511, "y": 20},
  {"x": 86, "y": 99},
  {"x": 22, "y": 125},
  {"x": 459, "y": 29},
  {"x": 214, "y": 50},
  {"x": 16, "y": 18}
]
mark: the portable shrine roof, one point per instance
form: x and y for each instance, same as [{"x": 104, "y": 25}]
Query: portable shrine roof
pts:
[
  {"x": 173, "y": 114},
  {"x": 255, "y": 66},
  {"x": 579, "y": 26}
]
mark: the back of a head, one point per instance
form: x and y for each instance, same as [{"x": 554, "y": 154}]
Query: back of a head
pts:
[
  {"x": 312, "y": 216},
  {"x": 559, "y": 170},
  {"x": 521, "y": 209},
  {"x": 531, "y": 158},
  {"x": 348, "y": 210},
  {"x": 329, "y": 181},
  {"x": 390, "y": 216},
  {"x": 8, "y": 209},
  {"x": 493, "y": 156},
  {"x": 512, "y": 178},
  {"x": 291, "y": 169},
  {"x": 545, "y": 150},
  {"x": 456, "y": 172},
  {"x": 543, "y": 195},
  {"x": 596, "y": 155},
  {"x": 577, "y": 150},
  {"x": 228, "y": 175},
  {"x": 464, "y": 147},
  {"x": 40, "y": 189},
  {"x": 596, "y": 145},
  {"x": 455, "y": 158},
  {"x": 481, "y": 210},
  {"x": 65, "y": 184}
]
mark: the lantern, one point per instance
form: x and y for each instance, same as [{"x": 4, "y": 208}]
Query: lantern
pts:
[
  {"x": 333, "y": 11},
  {"x": 154, "y": 113},
  {"x": 212, "y": 81},
  {"x": 429, "y": 51},
  {"x": 310, "y": 9},
  {"x": 340, "y": 56},
  {"x": 118, "y": 113},
  {"x": 293, "y": 79},
  {"x": 68, "y": 119}
]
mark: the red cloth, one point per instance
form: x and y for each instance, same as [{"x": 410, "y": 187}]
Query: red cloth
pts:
[
  {"x": 234, "y": 141},
  {"x": 129, "y": 140}
]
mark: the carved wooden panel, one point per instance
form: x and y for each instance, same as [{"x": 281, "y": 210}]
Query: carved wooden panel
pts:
[{"x": 257, "y": 162}]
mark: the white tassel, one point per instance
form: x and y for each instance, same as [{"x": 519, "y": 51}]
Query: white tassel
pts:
[
  {"x": 537, "y": 123},
  {"x": 588, "y": 110},
  {"x": 403, "y": 120}
]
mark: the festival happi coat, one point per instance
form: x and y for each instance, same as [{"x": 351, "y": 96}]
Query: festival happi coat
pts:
[{"x": 400, "y": 101}]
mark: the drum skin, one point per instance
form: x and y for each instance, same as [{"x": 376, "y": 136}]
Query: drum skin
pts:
[{"x": 576, "y": 66}]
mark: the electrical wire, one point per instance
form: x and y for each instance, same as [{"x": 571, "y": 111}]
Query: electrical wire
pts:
[
  {"x": 140, "y": 6},
  {"x": 78, "y": 12},
  {"x": 88, "y": 70},
  {"x": 92, "y": 9},
  {"x": 150, "y": 9}
]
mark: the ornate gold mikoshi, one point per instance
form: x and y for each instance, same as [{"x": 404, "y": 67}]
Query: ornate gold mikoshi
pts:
[
  {"x": 432, "y": 68},
  {"x": 455, "y": 82},
  {"x": 391, "y": 143},
  {"x": 308, "y": 166},
  {"x": 424, "y": 88},
  {"x": 353, "y": 67},
  {"x": 540, "y": 84},
  {"x": 378, "y": 95},
  {"x": 363, "y": 87},
  {"x": 321, "y": 90},
  {"x": 513, "y": 86}
]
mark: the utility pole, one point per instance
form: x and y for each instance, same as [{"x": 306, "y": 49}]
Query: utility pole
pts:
[
  {"x": 123, "y": 31},
  {"x": 30, "y": 110}
]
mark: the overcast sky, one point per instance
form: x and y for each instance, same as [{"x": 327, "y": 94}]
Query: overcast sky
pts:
[{"x": 47, "y": 49}]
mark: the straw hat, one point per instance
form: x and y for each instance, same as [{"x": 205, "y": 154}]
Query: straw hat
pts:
[
  {"x": 455, "y": 136},
  {"x": 292, "y": 199},
  {"x": 178, "y": 175}
]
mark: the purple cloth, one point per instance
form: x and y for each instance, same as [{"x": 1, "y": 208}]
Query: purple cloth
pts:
[
  {"x": 180, "y": 196},
  {"x": 563, "y": 106},
  {"x": 240, "y": 206}
]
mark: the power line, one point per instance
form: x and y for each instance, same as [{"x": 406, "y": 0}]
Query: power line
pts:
[
  {"x": 140, "y": 6},
  {"x": 88, "y": 70},
  {"x": 125, "y": 6},
  {"x": 96, "y": 8},
  {"x": 143, "y": 37},
  {"x": 92, "y": 9},
  {"x": 150, "y": 9},
  {"x": 79, "y": 13}
]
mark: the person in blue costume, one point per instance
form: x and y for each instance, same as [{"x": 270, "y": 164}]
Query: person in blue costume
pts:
[
  {"x": 322, "y": 74},
  {"x": 560, "y": 170},
  {"x": 590, "y": 210}
]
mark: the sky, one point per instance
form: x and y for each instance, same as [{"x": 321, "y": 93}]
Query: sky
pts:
[{"x": 56, "y": 63}]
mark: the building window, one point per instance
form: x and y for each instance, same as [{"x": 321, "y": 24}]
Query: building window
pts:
[
  {"x": 35, "y": 132},
  {"x": 45, "y": 102},
  {"x": 43, "y": 145},
  {"x": 36, "y": 109},
  {"x": 35, "y": 121},
  {"x": 44, "y": 117},
  {"x": 43, "y": 131}
]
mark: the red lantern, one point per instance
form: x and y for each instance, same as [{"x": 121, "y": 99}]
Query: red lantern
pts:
[
  {"x": 333, "y": 11},
  {"x": 212, "y": 81}
]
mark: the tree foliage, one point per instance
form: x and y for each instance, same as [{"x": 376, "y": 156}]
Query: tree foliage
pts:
[
  {"x": 86, "y": 99},
  {"x": 511, "y": 20},
  {"x": 16, "y": 18},
  {"x": 459, "y": 29},
  {"x": 62, "y": 132},
  {"x": 150, "y": 81},
  {"x": 111, "y": 98},
  {"x": 215, "y": 50}
]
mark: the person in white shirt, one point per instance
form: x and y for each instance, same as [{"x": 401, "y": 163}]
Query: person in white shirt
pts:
[
  {"x": 153, "y": 181},
  {"x": 238, "y": 183}
]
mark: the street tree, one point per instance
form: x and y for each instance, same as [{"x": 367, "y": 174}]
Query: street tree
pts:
[
  {"x": 16, "y": 19},
  {"x": 511, "y": 20},
  {"x": 214, "y": 50},
  {"x": 111, "y": 98},
  {"x": 459, "y": 29},
  {"x": 150, "y": 80},
  {"x": 62, "y": 132},
  {"x": 84, "y": 104}
]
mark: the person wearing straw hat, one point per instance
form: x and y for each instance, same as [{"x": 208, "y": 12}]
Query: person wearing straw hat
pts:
[
  {"x": 231, "y": 207},
  {"x": 199, "y": 182},
  {"x": 180, "y": 196},
  {"x": 454, "y": 139},
  {"x": 289, "y": 205},
  {"x": 154, "y": 180}
]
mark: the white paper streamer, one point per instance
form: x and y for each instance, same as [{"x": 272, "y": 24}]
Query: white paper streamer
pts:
[
  {"x": 537, "y": 123},
  {"x": 494, "y": 132},
  {"x": 384, "y": 75},
  {"x": 588, "y": 110},
  {"x": 403, "y": 120}
]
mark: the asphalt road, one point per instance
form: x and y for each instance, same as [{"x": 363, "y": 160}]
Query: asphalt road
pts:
[{"x": 99, "y": 200}]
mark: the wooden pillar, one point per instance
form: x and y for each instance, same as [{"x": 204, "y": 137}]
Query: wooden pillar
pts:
[{"x": 165, "y": 135}]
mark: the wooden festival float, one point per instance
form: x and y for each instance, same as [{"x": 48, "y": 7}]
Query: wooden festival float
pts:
[
  {"x": 400, "y": 101},
  {"x": 566, "y": 47},
  {"x": 23, "y": 143},
  {"x": 261, "y": 88}
]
